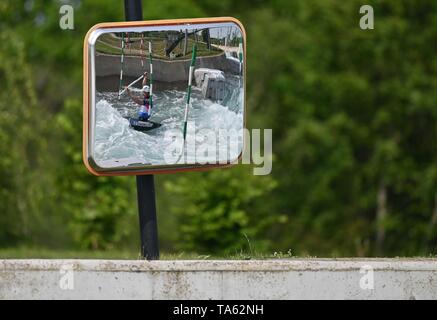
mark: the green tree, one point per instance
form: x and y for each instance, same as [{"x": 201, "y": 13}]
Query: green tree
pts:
[
  {"x": 216, "y": 212},
  {"x": 353, "y": 116},
  {"x": 25, "y": 189},
  {"x": 355, "y": 125}
]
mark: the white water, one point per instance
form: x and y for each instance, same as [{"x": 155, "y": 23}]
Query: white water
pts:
[{"x": 115, "y": 140}]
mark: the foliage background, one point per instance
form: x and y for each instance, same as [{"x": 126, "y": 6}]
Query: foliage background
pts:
[{"x": 353, "y": 114}]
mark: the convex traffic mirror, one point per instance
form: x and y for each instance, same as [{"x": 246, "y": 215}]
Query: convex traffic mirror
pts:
[{"x": 163, "y": 96}]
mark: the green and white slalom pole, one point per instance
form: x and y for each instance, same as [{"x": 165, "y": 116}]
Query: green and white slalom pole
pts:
[
  {"x": 190, "y": 80},
  {"x": 122, "y": 62},
  {"x": 187, "y": 104},
  {"x": 151, "y": 76}
]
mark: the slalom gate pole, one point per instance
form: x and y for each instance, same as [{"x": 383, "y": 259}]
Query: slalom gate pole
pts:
[
  {"x": 151, "y": 75},
  {"x": 122, "y": 62},
  {"x": 240, "y": 56},
  {"x": 187, "y": 104},
  {"x": 141, "y": 48},
  {"x": 190, "y": 80}
]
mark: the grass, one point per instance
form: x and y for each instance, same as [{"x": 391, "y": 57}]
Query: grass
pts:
[
  {"x": 44, "y": 253},
  {"x": 103, "y": 47}
]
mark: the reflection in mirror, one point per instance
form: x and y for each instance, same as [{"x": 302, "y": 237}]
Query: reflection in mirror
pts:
[{"x": 166, "y": 96}]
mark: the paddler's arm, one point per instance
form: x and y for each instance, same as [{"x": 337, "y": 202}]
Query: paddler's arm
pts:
[
  {"x": 136, "y": 99},
  {"x": 145, "y": 78}
]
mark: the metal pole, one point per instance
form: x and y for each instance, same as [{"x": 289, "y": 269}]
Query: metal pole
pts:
[
  {"x": 148, "y": 221},
  {"x": 145, "y": 184},
  {"x": 133, "y": 10}
]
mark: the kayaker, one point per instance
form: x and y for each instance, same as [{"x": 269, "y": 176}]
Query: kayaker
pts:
[{"x": 144, "y": 102}]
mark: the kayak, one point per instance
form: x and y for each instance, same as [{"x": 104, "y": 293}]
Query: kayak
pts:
[{"x": 143, "y": 125}]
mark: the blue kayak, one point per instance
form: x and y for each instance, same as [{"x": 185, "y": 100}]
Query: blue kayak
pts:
[{"x": 143, "y": 125}]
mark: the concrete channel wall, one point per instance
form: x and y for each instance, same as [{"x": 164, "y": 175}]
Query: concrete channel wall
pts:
[
  {"x": 235, "y": 280},
  {"x": 163, "y": 70}
]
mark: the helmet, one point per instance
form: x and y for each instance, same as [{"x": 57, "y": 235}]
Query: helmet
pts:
[{"x": 146, "y": 89}]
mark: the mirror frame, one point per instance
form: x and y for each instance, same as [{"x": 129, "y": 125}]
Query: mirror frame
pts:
[{"x": 88, "y": 107}]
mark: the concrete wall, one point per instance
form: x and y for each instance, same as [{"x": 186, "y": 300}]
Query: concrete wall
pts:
[
  {"x": 272, "y": 279},
  {"x": 163, "y": 70}
]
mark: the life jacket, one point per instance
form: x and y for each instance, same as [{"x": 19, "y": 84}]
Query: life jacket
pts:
[{"x": 145, "y": 108}]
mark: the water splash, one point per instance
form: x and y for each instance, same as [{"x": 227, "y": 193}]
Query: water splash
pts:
[{"x": 115, "y": 140}]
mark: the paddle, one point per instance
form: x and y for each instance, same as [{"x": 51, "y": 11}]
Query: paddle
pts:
[{"x": 130, "y": 85}]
